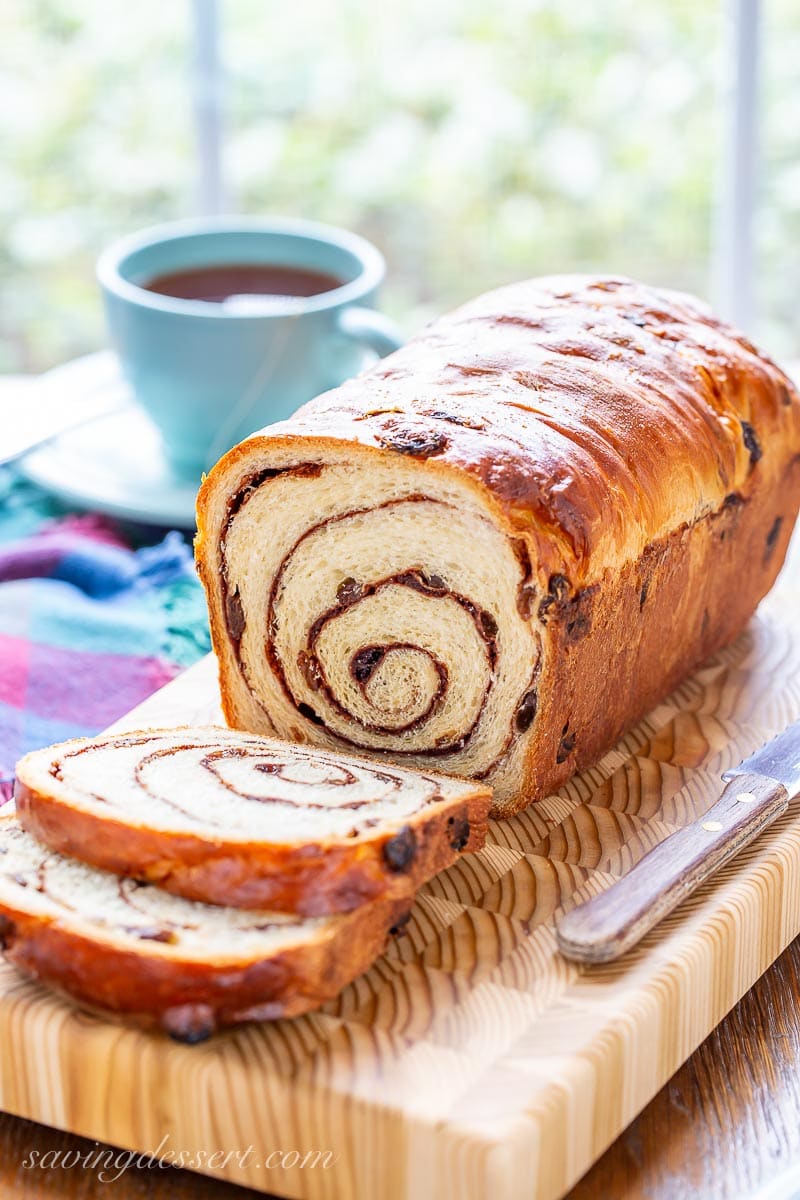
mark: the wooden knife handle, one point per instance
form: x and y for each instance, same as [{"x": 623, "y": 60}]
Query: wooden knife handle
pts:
[{"x": 612, "y": 923}]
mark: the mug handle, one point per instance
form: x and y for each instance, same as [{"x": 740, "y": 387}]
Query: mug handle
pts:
[{"x": 372, "y": 328}]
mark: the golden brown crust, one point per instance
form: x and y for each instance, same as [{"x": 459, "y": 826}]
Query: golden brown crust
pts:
[
  {"x": 615, "y": 433},
  {"x": 190, "y": 999},
  {"x": 599, "y": 414},
  {"x": 311, "y": 879},
  {"x": 691, "y": 594}
]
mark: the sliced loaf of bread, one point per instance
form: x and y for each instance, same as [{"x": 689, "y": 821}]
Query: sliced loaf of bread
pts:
[
  {"x": 229, "y": 818},
  {"x": 129, "y": 948}
]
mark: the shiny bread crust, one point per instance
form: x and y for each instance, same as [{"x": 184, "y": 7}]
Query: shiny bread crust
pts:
[{"x": 644, "y": 455}]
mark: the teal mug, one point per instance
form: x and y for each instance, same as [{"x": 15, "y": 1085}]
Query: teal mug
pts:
[{"x": 209, "y": 373}]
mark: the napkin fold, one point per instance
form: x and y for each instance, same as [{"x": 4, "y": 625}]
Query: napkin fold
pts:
[{"x": 89, "y": 625}]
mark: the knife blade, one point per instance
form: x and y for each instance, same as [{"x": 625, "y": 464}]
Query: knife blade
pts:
[
  {"x": 778, "y": 759},
  {"x": 756, "y": 793}
]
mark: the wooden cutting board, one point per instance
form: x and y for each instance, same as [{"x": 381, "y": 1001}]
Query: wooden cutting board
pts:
[{"x": 471, "y": 1060}]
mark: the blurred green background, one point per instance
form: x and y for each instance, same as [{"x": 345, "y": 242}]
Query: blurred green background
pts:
[{"x": 474, "y": 142}]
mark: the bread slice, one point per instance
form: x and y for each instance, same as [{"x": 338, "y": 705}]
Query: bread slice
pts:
[
  {"x": 132, "y": 949},
  {"x": 229, "y": 818}
]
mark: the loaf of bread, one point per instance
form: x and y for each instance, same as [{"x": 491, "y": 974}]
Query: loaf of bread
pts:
[
  {"x": 494, "y": 551},
  {"x": 128, "y": 948},
  {"x": 228, "y": 818}
]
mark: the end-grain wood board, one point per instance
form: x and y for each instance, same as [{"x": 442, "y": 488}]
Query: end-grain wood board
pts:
[{"x": 471, "y": 1060}]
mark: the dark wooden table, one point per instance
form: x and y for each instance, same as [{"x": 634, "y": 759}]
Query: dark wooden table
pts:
[{"x": 725, "y": 1126}]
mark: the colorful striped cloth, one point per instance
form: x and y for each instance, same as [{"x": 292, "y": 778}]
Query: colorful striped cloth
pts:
[{"x": 89, "y": 625}]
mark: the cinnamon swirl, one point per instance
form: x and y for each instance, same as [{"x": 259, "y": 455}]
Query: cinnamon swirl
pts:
[{"x": 228, "y": 818}]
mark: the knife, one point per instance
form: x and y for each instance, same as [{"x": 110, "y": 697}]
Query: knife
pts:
[{"x": 757, "y": 792}]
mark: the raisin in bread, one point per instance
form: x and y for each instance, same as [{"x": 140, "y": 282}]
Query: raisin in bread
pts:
[
  {"x": 131, "y": 949},
  {"x": 227, "y": 818}
]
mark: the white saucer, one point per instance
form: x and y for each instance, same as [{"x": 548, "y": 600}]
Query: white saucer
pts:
[{"x": 113, "y": 464}]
